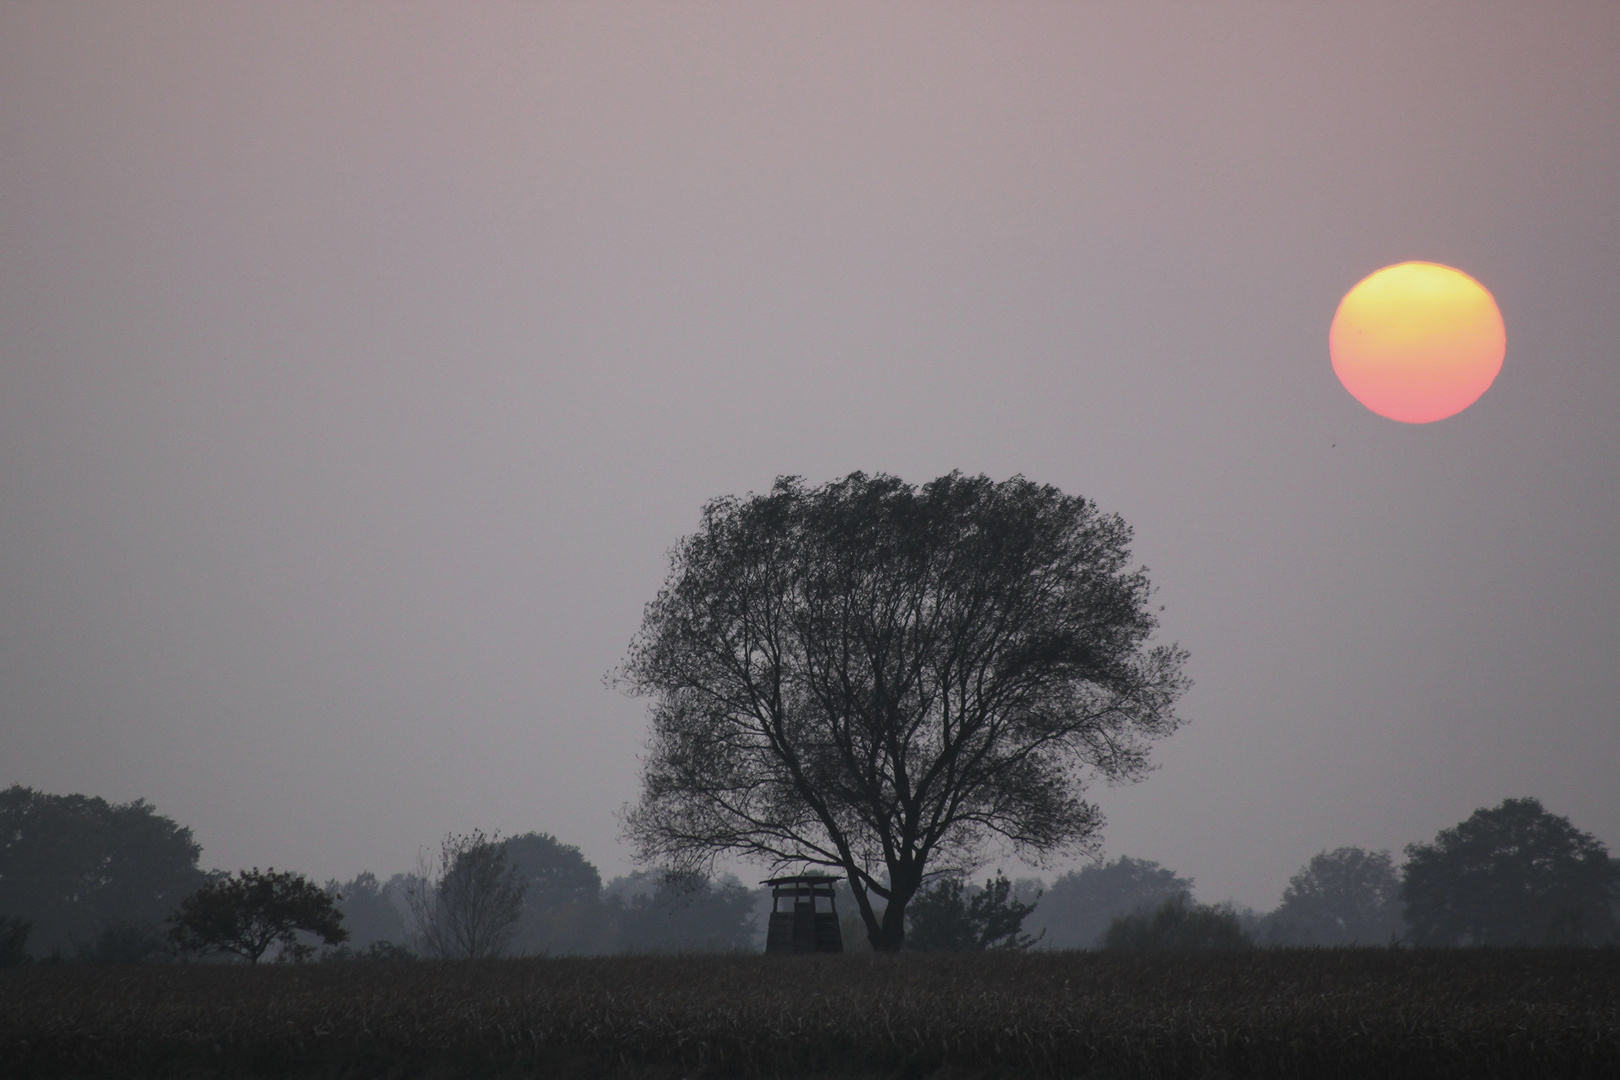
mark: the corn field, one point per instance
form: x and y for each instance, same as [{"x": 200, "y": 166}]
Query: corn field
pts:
[{"x": 1362, "y": 1013}]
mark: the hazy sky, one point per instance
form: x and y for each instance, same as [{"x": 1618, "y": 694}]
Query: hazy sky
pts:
[{"x": 359, "y": 363}]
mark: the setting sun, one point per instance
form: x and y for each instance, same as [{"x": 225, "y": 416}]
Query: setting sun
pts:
[{"x": 1417, "y": 342}]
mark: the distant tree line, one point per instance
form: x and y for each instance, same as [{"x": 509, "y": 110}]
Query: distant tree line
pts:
[
  {"x": 85, "y": 880},
  {"x": 534, "y": 895},
  {"x": 1513, "y": 874}
]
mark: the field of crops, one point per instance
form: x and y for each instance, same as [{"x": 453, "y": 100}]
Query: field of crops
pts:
[{"x": 1361, "y": 1013}]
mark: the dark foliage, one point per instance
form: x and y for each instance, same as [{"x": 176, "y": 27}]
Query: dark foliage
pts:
[
  {"x": 14, "y": 941},
  {"x": 1342, "y": 897},
  {"x": 878, "y": 678},
  {"x": 383, "y": 951},
  {"x": 124, "y": 943},
  {"x": 553, "y": 873},
  {"x": 250, "y": 911},
  {"x": 562, "y": 909},
  {"x": 1076, "y": 910},
  {"x": 1316, "y": 1014},
  {"x": 1177, "y": 925},
  {"x": 467, "y": 906},
  {"x": 685, "y": 913},
  {"x": 943, "y": 920},
  {"x": 369, "y": 914},
  {"x": 1513, "y": 874},
  {"x": 74, "y": 865}
]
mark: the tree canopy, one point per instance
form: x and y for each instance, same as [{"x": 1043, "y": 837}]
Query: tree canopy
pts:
[
  {"x": 1347, "y": 896},
  {"x": 1513, "y": 874},
  {"x": 75, "y": 865},
  {"x": 554, "y": 873},
  {"x": 882, "y": 678},
  {"x": 246, "y": 913}
]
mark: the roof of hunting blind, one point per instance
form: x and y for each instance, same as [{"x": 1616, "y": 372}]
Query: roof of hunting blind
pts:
[{"x": 801, "y": 879}]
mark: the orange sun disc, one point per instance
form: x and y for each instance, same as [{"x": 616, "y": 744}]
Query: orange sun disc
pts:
[{"x": 1417, "y": 342}]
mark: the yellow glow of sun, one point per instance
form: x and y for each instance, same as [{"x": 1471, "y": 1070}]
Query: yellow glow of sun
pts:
[{"x": 1417, "y": 342}]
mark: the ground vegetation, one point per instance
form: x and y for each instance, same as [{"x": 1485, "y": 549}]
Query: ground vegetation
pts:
[{"x": 1288, "y": 1014}]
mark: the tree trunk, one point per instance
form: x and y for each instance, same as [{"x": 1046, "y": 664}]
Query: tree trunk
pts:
[{"x": 889, "y": 934}]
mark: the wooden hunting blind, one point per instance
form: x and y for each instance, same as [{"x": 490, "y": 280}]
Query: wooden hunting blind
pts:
[{"x": 804, "y": 915}]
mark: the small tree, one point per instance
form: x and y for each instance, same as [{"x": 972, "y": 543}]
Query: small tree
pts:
[
  {"x": 1177, "y": 924},
  {"x": 992, "y": 918},
  {"x": 1510, "y": 875},
  {"x": 246, "y": 913},
  {"x": 1342, "y": 897},
  {"x": 467, "y": 906}
]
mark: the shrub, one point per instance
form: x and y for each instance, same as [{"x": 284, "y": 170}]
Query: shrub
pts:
[
  {"x": 942, "y": 921},
  {"x": 1175, "y": 925},
  {"x": 123, "y": 943}
]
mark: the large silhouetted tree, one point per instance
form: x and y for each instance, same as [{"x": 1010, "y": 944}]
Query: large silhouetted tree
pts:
[
  {"x": 880, "y": 678},
  {"x": 554, "y": 873},
  {"x": 1512, "y": 874}
]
